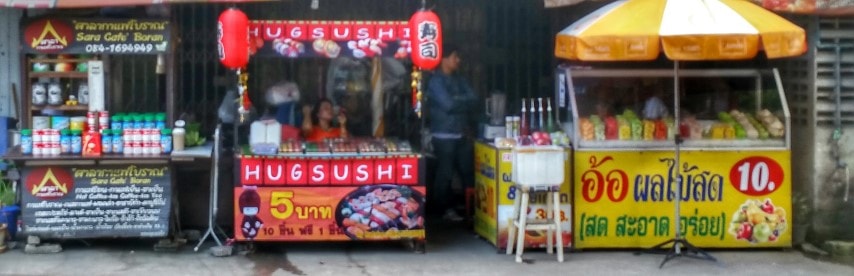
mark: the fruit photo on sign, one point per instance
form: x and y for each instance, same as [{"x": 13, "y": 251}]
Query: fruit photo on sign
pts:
[{"x": 758, "y": 222}]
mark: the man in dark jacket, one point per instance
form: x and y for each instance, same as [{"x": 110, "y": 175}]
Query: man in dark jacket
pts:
[{"x": 451, "y": 101}]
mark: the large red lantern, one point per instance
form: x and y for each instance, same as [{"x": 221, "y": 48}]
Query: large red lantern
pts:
[
  {"x": 233, "y": 38},
  {"x": 425, "y": 39}
]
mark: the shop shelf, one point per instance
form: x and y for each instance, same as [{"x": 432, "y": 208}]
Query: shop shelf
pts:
[
  {"x": 69, "y": 75},
  {"x": 62, "y": 108}
]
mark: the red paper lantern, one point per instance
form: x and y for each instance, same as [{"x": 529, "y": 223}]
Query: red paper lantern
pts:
[
  {"x": 425, "y": 39},
  {"x": 233, "y": 39}
]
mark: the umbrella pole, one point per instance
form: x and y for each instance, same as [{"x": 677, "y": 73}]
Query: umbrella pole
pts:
[{"x": 678, "y": 241}]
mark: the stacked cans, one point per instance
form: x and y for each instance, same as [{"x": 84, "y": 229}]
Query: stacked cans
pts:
[
  {"x": 142, "y": 141},
  {"x": 46, "y": 142}
]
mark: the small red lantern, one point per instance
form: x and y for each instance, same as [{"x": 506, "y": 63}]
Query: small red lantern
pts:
[
  {"x": 233, "y": 38},
  {"x": 425, "y": 39}
]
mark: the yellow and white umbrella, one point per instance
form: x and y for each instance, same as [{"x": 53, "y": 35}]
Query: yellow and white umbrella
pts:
[{"x": 684, "y": 29}]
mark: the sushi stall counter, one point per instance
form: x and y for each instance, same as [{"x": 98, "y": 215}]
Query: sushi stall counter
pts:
[
  {"x": 735, "y": 163},
  {"x": 495, "y": 196},
  {"x": 355, "y": 189}
]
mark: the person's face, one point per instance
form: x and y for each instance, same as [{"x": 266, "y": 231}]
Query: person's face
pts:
[
  {"x": 452, "y": 62},
  {"x": 325, "y": 112}
]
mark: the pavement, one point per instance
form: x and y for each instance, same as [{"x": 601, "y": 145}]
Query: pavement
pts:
[{"x": 451, "y": 250}]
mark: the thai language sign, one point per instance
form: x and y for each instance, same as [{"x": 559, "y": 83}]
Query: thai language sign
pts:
[
  {"x": 96, "y": 36},
  {"x": 96, "y": 202},
  {"x": 495, "y": 197},
  {"x": 374, "y": 212},
  {"x": 729, "y": 199},
  {"x": 331, "y": 39}
]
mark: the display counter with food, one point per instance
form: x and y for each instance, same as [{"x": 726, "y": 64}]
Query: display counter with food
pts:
[
  {"x": 337, "y": 189},
  {"x": 734, "y": 166}
]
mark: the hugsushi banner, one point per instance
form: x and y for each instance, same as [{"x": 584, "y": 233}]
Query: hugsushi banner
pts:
[{"x": 330, "y": 39}]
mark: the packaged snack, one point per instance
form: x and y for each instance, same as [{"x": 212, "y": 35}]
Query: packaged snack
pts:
[
  {"x": 625, "y": 128},
  {"x": 729, "y": 131},
  {"x": 648, "y": 130},
  {"x": 761, "y": 131},
  {"x": 718, "y": 131},
  {"x": 660, "y": 130},
  {"x": 611, "y": 128},
  {"x": 587, "y": 131},
  {"x": 772, "y": 123},
  {"x": 598, "y": 128},
  {"x": 637, "y": 129}
]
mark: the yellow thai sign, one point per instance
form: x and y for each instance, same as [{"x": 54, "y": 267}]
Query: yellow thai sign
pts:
[
  {"x": 485, "y": 190},
  {"x": 496, "y": 194},
  {"x": 732, "y": 199}
]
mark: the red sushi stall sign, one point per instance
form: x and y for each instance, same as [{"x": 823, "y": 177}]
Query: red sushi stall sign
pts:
[
  {"x": 329, "y": 199},
  {"x": 401, "y": 170},
  {"x": 331, "y": 39}
]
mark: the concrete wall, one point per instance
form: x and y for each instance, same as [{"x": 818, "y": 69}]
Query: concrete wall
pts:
[{"x": 10, "y": 72}]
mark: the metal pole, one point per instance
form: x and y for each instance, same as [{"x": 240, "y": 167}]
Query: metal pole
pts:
[{"x": 678, "y": 141}]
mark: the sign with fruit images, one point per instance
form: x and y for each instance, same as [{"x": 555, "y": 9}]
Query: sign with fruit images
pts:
[
  {"x": 730, "y": 199},
  {"x": 330, "y": 39}
]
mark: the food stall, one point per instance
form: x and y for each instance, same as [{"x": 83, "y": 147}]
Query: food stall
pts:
[
  {"x": 359, "y": 188},
  {"x": 735, "y": 158},
  {"x": 89, "y": 170},
  {"x": 696, "y": 153},
  {"x": 494, "y": 188}
]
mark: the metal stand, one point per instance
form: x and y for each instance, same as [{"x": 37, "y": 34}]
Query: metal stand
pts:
[
  {"x": 214, "y": 195},
  {"x": 678, "y": 242}
]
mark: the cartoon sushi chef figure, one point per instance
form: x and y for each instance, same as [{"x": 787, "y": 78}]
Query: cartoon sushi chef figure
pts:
[{"x": 249, "y": 204}]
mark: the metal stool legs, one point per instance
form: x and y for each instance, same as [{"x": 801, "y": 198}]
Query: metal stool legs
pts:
[{"x": 520, "y": 224}]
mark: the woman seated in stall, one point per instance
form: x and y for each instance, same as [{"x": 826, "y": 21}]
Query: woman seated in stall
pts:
[{"x": 317, "y": 123}]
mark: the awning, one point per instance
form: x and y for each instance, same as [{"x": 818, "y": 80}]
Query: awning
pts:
[
  {"x": 48, "y": 4},
  {"x": 819, "y": 7}
]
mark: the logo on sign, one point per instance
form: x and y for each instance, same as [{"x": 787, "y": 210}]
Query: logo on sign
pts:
[
  {"x": 49, "y": 183},
  {"x": 48, "y": 36}
]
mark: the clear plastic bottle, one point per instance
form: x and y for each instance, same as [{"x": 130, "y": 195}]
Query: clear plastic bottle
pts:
[
  {"x": 106, "y": 141},
  {"x": 76, "y": 141},
  {"x": 118, "y": 141},
  {"x": 166, "y": 141},
  {"x": 65, "y": 141},
  {"x": 178, "y": 134},
  {"x": 148, "y": 121},
  {"x": 26, "y": 141},
  {"x": 160, "y": 121}
]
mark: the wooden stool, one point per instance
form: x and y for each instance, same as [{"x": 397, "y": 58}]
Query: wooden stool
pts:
[{"x": 521, "y": 223}]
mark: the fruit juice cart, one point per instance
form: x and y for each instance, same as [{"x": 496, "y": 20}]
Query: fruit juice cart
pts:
[{"x": 736, "y": 158}]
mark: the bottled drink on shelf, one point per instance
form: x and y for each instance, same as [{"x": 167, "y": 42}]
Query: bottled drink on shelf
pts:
[
  {"x": 533, "y": 118},
  {"x": 551, "y": 124},
  {"x": 541, "y": 122},
  {"x": 523, "y": 128}
]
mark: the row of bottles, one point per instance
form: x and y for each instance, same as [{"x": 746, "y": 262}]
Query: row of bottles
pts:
[{"x": 537, "y": 116}]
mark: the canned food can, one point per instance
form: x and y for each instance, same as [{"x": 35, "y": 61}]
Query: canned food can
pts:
[
  {"x": 55, "y": 148},
  {"x": 137, "y": 148},
  {"x": 38, "y": 148}
]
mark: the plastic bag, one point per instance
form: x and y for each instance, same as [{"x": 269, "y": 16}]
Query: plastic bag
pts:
[{"x": 227, "y": 110}]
